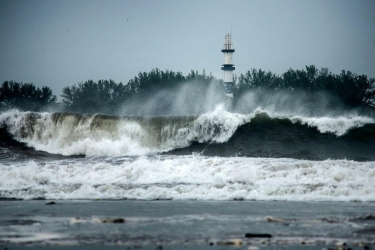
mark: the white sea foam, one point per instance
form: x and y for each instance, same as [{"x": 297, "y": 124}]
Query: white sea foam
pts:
[
  {"x": 338, "y": 125},
  {"x": 190, "y": 177},
  {"x": 83, "y": 134},
  {"x": 74, "y": 135},
  {"x": 335, "y": 125},
  {"x": 217, "y": 126}
]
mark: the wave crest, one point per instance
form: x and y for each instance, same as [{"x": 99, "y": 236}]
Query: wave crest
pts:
[{"x": 259, "y": 133}]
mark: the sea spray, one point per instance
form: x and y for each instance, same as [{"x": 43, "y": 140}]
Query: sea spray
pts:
[
  {"x": 260, "y": 133},
  {"x": 74, "y": 134},
  {"x": 336, "y": 125}
]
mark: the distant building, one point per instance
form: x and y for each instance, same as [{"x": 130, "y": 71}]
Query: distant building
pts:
[{"x": 228, "y": 65}]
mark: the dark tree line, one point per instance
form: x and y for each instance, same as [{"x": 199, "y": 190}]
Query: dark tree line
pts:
[
  {"x": 145, "y": 83},
  {"x": 107, "y": 96},
  {"x": 350, "y": 88},
  {"x": 25, "y": 96},
  {"x": 94, "y": 97}
]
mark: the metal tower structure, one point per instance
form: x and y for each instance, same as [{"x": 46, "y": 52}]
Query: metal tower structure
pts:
[{"x": 228, "y": 65}]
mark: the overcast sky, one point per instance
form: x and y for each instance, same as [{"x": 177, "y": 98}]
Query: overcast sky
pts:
[{"x": 61, "y": 43}]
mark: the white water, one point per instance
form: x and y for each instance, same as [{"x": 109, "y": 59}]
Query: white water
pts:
[
  {"x": 74, "y": 135},
  {"x": 336, "y": 125},
  {"x": 190, "y": 177}
]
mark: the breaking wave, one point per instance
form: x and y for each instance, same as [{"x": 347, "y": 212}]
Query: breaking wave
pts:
[
  {"x": 214, "y": 156},
  {"x": 219, "y": 133}
]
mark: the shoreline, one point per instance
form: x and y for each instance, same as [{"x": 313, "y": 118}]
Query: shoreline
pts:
[{"x": 90, "y": 224}]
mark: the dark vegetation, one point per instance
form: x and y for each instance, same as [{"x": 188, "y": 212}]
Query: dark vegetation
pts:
[
  {"x": 352, "y": 89},
  {"x": 107, "y": 96},
  {"x": 25, "y": 96}
]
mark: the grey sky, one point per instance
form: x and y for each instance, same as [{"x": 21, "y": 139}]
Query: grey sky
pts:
[{"x": 60, "y": 43}]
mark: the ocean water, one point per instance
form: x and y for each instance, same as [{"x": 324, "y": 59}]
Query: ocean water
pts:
[
  {"x": 186, "y": 224},
  {"x": 187, "y": 180}
]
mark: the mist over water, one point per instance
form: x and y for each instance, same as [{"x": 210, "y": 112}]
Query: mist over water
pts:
[
  {"x": 188, "y": 99},
  {"x": 301, "y": 103},
  {"x": 196, "y": 99},
  {"x": 161, "y": 146}
]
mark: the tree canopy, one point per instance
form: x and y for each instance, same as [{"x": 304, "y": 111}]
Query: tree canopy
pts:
[
  {"x": 107, "y": 96},
  {"x": 25, "y": 96},
  {"x": 352, "y": 89},
  {"x": 93, "y": 97}
]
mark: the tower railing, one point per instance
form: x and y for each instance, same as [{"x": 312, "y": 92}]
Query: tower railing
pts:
[{"x": 228, "y": 45}]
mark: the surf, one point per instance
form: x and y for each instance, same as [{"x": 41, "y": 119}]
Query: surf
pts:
[
  {"x": 190, "y": 177},
  {"x": 218, "y": 133}
]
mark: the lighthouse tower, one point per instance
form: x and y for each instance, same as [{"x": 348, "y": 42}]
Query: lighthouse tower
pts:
[{"x": 228, "y": 65}]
